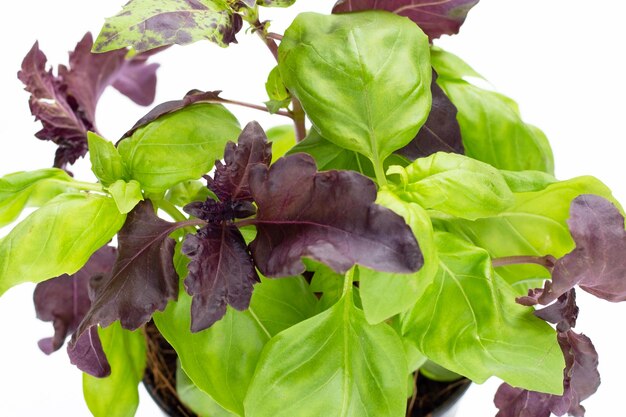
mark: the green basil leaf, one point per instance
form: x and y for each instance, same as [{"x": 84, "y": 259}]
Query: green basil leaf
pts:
[
  {"x": 275, "y": 86},
  {"x": 197, "y": 400},
  {"x": 106, "y": 162},
  {"x": 179, "y": 146},
  {"x": 240, "y": 335},
  {"x": 526, "y": 181},
  {"x": 454, "y": 184},
  {"x": 329, "y": 156},
  {"x": 126, "y": 194},
  {"x": 362, "y": 366},
  {"x": 282, "y": 139},
  {"x": 186, "y": 192},
  {"x": 326, "y": 282},
  {"x": 469, "y": 323},
  {"x": 514, "y": 232},
  {"x": 385, "y": 294},
  {"x": 149, "y": 24},
  {"x": 34, "y": 188},
  {"x": 281, "y": 303},
  {"x": 341, "y": 68},
  {"x": 117, "y": 395},
  {"x": 65, "y": 232},
  {"x": 491, "y": 126}
]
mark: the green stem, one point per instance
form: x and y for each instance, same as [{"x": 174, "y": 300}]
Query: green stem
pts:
[
  {"x": 171, "y": 210},
  {"x": 379, "y": 171},
  {"x": 347, "y": 282},
  {"x": 82, "y": 185}
]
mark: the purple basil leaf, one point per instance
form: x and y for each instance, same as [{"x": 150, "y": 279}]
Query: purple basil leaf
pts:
[
  {"x": 516, "y": 402},
  {"x": 563, "y": 312},
  {"x": 87, "y": 354},
  {"x": 221, "y": 272},
  {"x": 580, "y": 380},
  {"x": 143, "y": 278},
  {"x": 440, "y": 133},
  {"x": 327, "y": 216},
  {"x": 65, "y": 300},
  {"x": 66, "y": 103},
  {"x": 230, "y": 181},
  {"x": 435, "y": 18},
  {"x": 49, "y": 104},
  {"x": 192, "y": 97},
  {"x": 598, "y": 264}
]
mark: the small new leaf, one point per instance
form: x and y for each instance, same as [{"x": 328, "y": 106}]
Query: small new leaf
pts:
[
  {"x": 230, "y": 182},
  {"x": 327, "y": 216},
  {"x": 436, "y": 18},
  {"x": 221, "y": 272}
]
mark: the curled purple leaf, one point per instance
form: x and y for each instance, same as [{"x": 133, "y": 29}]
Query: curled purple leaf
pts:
[
  {"x": 435, "y": 18},
  {"x": 563, "y": 312},
  {"x": 580, "y": 380},
  {"x": 231, "y": 178},
  {"x": 66, "y": 103},
  {"x": 65, "y": 300},
  {"x": 143, "y": 278},
  {"x": 326, "y": 216},
  {"x": 87, "y": 354},
  {"x": 221, "y": 272},
  {"x": 597, "y": 264},
  {"x": 440, "y": 133}
]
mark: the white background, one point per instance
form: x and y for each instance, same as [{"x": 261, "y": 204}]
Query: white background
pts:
[{"x": 562, "y": 60}]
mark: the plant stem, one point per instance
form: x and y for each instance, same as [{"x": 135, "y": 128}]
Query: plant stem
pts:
[
  {"x": 297, "y": 114},
  {"x": 82, "y": 185},
  {"x": 172, "y": 210},
  {"x": 347, "y": 281},
  {"x": 379, "y": 171},
  {"x": 547, "y": 261},
  {"x": 254, "y": 106},
  {"x": 275, "y": 36}
]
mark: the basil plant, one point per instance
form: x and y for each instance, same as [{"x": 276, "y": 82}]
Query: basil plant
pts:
[{"x": 408, "y": 223}]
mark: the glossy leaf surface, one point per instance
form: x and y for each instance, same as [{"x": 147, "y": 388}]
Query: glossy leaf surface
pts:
[
  {"x": 21, "y": 189},
  {"x": 454, "y": 184},
  {"x": 126, "y": 195},
  {"x": 179, "y": 146},
  {"x": 76, "y": 224},
  {"x": 492, "y": 128},
  {"x": 353, "y": 82},
  {"x": 436, "y": 18},
  {"x": 106, "y": 162},
  {"x": 386, "y": 294},
  {"x": 197, "y": 400},
  {"x": 468, "y": 322},
  {"x": 514, "y": 231},
  {"x": 302, "y": 213},
  {"x": 117, "y": 395},
  {"x": 64, "y": 300},
  {"x": 149, "y": 24},
  {"x": 363, "y": 368}
]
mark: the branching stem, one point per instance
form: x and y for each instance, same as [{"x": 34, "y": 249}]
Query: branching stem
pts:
[{"x": 547, "y": 261}]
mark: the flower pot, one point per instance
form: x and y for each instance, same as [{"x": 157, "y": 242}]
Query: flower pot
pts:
[{"x": 434, "y": 399}]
